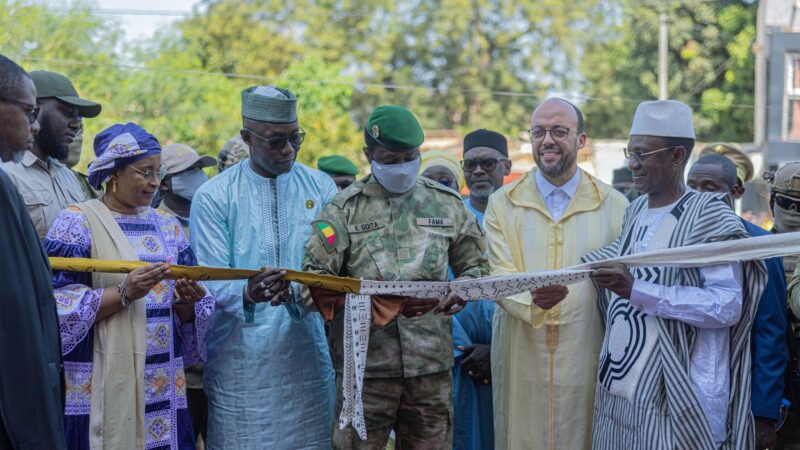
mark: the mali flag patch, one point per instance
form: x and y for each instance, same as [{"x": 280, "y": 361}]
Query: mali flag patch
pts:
[{"x": 326, "y": 233}]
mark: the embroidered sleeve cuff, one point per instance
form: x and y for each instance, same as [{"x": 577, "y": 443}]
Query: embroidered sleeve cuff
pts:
[{"x": 644, "y": 296}]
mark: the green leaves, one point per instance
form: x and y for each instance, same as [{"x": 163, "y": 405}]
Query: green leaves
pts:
[
  {"x": 461, "y": 64},
  {"x": 711, "y": 67}
]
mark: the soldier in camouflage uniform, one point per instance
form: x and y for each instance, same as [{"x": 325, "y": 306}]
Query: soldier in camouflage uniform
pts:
[
  {"x": 232, "y": 152},
  {"x": 784, "y": 201},
  {"x": 393, "y": 225}
]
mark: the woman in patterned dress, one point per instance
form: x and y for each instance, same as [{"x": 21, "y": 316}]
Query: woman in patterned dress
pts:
[{"x": 177, "y": 312}]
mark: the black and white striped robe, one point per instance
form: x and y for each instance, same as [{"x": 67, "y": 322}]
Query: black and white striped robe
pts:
[{"x": 663, "y": 411}]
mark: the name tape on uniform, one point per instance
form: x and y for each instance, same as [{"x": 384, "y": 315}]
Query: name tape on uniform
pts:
[
  {"x": 434, "y": 222},
  {"x": 364, "y": 227}
]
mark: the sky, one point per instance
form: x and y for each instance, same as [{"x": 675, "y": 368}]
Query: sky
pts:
[{"x": 141, "y": 26}]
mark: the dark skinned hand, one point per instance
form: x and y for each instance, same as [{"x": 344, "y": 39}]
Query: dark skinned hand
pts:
[
  {"x": 614, "y": 277},
  {"x": 270, "y": 286},
  {"x": 549, "y": 296},
  {"x": 453, "y": 303},
  {"x": 139, "y": 282},
  {"x": 766, "y": 436},
  {"x": 418, "y": 306},
  {"x": 189, "y": 291},
  {"x": 477, "y": 362}
]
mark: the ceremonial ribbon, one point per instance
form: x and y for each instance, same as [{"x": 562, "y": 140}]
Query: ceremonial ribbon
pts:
[
  {"x": 487, "y": 288},
  {"x": 202, "y": 273},
  {"x": 357, "y": 303}
]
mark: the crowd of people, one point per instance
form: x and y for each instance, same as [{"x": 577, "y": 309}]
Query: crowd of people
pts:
[{"x": 639, "y": 358}]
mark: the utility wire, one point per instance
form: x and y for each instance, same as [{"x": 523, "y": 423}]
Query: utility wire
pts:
[
  {"x": 356, "y": 84},
  {"x": 188, "y": 13}
]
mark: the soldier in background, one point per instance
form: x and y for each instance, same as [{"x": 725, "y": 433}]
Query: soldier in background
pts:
[
  {"x": 784, "y": 201},
  {"x": 341, "y": 169},
  {"x": 232, "y": 152}
]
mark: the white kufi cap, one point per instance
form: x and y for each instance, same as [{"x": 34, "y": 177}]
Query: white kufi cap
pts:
[{"x": 663, "y": 118}]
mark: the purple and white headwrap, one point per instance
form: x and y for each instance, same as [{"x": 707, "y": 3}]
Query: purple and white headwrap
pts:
[{"x": 119, "y": 146}]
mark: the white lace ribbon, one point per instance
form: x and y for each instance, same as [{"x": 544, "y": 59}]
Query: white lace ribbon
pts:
[
  {"x": 357, "y": 321},
  {"x": 358, "y": 308}
]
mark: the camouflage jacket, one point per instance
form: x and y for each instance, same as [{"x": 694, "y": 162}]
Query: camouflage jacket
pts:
[{"x": 414, "y": 236}]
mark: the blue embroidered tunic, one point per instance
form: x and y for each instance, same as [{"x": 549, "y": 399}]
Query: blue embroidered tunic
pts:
[
  {"x": 473, "y": 426},
  {"x": 270, "y": 383}
]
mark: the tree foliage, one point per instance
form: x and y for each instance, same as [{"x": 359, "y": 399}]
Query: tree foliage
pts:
[
  {"x": 455, "y": 63},
  {"x": 711, "y": 66},
  {"x": 461, "y": 64}
]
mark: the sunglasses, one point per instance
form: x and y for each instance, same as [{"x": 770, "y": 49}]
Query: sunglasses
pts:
[
  {"x": 31, "y": 110},
  {"x": 488, "y": 164},
  {"x": 277, "y": 143},
  {"x": 787, "y": 203}
]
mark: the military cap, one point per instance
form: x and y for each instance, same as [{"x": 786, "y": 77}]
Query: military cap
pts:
[
  {"x": 744, "y": 167},
  {"x": 394, "y": 128},
  {"x": 269, "y": 104},
  {"x": 337, "y": 165},
  {"x": 232, "y": 152},
  {"x": 786, "y": 180},
  {"x": 55, "y": 85},
  {"x": 178, "y": 157}
]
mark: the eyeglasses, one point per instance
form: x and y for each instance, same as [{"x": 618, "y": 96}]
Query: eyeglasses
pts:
[
  {"x": 643, "y": 156},
  {"x": 557, "y": 133},
  {"x": 31, "y": 110},
  {"x": 150, "y": 173},
  {"x": 787, "y": 203},
  {"x": 488, "y": 164},
  {"x": 277, "y": 143}
]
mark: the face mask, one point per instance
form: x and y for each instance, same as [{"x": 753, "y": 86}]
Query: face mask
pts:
[
  {"x": 187, "y": 183},
  {"x": 786, "y": 220},
  {"x": 397, "y": 178}
]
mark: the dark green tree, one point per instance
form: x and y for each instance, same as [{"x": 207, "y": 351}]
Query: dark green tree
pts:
[{"x": 711, "y": 66}]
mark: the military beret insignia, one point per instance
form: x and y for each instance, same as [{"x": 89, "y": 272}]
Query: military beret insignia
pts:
[{"x": 376, "y": 131}]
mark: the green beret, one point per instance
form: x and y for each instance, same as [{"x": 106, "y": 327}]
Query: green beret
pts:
[
  {"x": 337, "y": 165},
  {"x": 394, "y": 128}
]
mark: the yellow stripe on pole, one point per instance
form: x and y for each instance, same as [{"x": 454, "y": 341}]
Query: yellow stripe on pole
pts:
[{"x": 200, "y": 273}]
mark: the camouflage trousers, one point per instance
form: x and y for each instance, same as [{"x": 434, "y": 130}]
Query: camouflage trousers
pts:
[{"x": 418, "y": 409}]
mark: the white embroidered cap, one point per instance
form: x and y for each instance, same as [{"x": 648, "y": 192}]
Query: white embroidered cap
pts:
[{"x": 663, "y": 118}]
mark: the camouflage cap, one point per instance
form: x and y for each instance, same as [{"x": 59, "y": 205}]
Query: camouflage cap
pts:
[{"x": 232, "y": 152}]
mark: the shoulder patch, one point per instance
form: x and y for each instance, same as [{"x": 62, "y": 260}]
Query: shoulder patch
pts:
[
  {"x": 347, "y": 193},
  {"x": 326, "y": 234}
]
